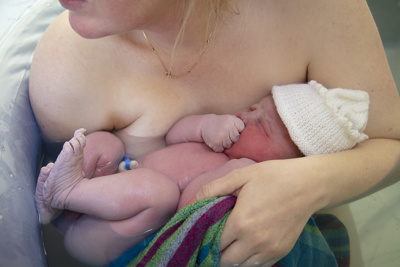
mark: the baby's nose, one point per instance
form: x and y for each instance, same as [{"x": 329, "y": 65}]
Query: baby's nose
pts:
[
  {"x": 248, "y": 116},
  {"x": 254, "y": 107}
]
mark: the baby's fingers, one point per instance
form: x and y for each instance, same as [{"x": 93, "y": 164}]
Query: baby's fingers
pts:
[
  {"x": 239, "y": 124},
  {"x": 234, "y": 133}
]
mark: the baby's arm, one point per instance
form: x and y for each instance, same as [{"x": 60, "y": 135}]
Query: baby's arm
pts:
[{"x": 217, "y": 131}]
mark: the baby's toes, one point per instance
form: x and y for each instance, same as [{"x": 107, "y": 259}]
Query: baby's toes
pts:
[
  {"x": 80, "y": 136},
  {"x": 68, "y": 149},
  {"x": 77, "y": 143},
  {"x": 43, "y": 175},
  {"x": 79, "y": 131},
  {"x": 47, "y": 192}
]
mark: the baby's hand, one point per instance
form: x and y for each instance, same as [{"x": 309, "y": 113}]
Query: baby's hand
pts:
[{"x": 221, "y": 131}]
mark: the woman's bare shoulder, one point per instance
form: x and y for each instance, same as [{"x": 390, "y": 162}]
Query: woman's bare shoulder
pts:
[
  {"x": 342, "y": 47},
  {"x": 62, "y": 76},
  {"x": 345, "y": 50},
  {"x": 58, "y": 51}
]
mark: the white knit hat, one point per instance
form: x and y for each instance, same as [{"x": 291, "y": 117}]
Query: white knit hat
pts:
[{"x": 322, "y": 121}]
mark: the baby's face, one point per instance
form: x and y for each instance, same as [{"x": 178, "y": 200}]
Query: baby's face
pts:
[{"x": 265, "y": 137}]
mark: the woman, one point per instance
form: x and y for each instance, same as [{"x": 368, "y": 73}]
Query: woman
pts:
[{"x": 119, "y": 63}]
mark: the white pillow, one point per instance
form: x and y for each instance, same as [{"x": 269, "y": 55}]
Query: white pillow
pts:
[{"x": 20, "y": 146}]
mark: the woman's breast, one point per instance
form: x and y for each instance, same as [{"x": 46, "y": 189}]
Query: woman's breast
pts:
[{"x": 142, "y": 126}]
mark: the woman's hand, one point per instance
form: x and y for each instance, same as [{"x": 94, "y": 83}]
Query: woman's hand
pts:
[{"x": 274, "y": 202}]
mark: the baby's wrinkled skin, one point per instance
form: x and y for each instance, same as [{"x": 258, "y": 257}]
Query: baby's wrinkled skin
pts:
[
  {"x": 265, "y": 136},
  {"x": 165, "y": 180}
]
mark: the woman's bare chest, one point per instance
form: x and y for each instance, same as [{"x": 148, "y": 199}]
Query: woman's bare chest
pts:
[
  {"x": 143, "y": 114},
  {"x": 140, "y": 109},
  {"x": 138, "y": 103}
]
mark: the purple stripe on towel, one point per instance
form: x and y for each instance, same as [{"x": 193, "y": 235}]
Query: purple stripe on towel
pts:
[
  {"x": 195, "y": 236},
  {"x": 149, "y": 255},
  {"x": 183, "y": 231}
]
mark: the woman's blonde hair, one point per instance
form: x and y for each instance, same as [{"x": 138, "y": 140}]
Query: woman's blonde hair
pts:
[{"x": 216, "y": 10}]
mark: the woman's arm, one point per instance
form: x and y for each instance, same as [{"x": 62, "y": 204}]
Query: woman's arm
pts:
[
  {"x": 276, "y": 198},
  {"x": 352, "y": 56},
  {"x": 348, "y": 53}
]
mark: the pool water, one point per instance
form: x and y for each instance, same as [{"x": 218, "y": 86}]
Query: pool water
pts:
[
  {"x": 387, "y": 17},
  {"x": 377, "y": 217}
]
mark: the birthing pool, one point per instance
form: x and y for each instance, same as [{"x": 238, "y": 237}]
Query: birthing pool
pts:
[
  {"x": 23, "y": 241},
  {"x": 377, "y": 217}
]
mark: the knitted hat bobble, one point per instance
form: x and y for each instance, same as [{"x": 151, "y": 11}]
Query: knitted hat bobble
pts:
[{"x": 322, "y": 121}]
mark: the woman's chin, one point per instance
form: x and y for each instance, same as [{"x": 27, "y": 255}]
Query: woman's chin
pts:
[{"x": 86, "y": 29}]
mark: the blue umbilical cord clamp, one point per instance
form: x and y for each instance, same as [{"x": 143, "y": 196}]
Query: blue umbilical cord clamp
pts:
[{"x": 127, "y": 159}]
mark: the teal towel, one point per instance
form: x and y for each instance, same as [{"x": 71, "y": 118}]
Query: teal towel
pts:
[{"x": 191, "y": 238}]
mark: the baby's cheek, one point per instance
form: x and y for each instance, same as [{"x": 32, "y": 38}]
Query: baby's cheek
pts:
[
  {"x": 248, "y": 146},
  {"x": 234, "y": 152}
]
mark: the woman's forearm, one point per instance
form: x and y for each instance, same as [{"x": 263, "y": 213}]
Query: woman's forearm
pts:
[{"x": 353, "y": 174}]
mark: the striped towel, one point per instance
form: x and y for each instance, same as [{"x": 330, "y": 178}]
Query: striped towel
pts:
[{"x": 191, "y": 238}]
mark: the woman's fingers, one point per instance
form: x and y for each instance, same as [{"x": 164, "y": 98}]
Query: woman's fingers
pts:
[
  {"x": 227, "y": 185},
  {"x": 268, "y": 217},
  {"x": 253, "y": 261},
  {"x": 236, "y": 254},
  {"x": 215, "y": 189},
  {"x": 241, "y": 246},
  {"x": 238, "y": 245},
  {"x": 270, "y": 212}
]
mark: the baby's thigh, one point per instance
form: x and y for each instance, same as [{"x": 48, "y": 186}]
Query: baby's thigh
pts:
[
  {"x": 151, "y": 198},
  {"x": 153, "y": 190},
  {"x": 102, "y": 154}
]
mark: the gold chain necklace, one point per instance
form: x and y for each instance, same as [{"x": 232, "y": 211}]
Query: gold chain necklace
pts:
[{"x": 168, "y": 72}]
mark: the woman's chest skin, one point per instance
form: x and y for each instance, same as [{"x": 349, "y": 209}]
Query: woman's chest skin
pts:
[
  {"x": 143, "y": 109},
  {"x": 130, "y": 95}
]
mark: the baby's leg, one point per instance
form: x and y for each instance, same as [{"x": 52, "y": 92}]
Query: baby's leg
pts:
[
  {"x": 195, "y": 185},
  {"x": 66, "y": 172},
  {"x": 49, "y": 174},
  {"x": 102, "y": 154},
  {"x": 109, "y": 197},
  {"x": 94, "y": 242},
  {"x": 119, "y": 210},
  {"x": 147, "y": 198}
]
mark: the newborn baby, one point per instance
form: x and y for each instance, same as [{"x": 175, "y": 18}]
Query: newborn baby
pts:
[{"x": 134, "y": 203}]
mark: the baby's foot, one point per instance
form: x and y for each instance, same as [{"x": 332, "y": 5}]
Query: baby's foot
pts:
[
  {"x": 46, "y": 213},
  {"x": 66, "y": 172}
]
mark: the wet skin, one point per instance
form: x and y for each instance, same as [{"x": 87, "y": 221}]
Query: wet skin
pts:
[
  {"x": 250, "y": 53},
  {"x": 164, "y": 181},
  {"x": 265, "y": 137}
]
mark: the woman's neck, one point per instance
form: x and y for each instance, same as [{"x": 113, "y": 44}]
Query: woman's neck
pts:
[{"x": 175, "y": 31}]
